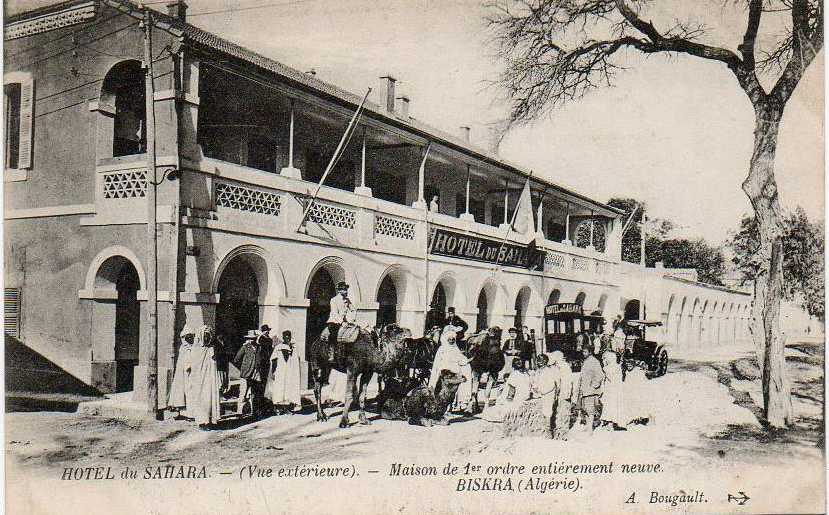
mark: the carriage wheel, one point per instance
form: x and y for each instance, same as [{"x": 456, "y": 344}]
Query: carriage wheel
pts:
[{"x": 662, "y": 366}]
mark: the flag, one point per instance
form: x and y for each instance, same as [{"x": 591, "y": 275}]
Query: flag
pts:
[{"x": 523, "y": 222}]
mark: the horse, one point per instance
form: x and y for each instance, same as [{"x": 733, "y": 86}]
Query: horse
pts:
[
  {"x": 485, "y": 351},
  {"x": 382, "y": 353}
]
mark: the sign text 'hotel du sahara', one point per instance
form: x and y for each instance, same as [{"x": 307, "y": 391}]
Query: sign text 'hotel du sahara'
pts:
[{"x": 466, "y": 246}]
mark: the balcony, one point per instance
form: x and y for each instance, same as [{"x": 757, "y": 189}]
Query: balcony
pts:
[{"x": 231, "y": 197}]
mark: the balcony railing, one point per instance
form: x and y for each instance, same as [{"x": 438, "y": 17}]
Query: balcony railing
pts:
[{"x": 251, "y": 201}]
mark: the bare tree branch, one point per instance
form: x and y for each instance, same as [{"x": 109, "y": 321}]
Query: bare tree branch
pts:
[
  {"x": 746, "y": 48},
  {"x": 806, "y": 42}
]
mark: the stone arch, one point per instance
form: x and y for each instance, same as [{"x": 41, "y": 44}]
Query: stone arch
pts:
[
  {"x": 487, "y": 302},
  {"x": 526, "y": 303},
  {"x": 399, "y": 276},
  {"x": 115, "y": 282},
  {"x": 682, "y": 326},
  {"x": 455, "y": 295},
  {"x": 554, "y": 296},
  {"x": 269, "y": 274},
  {"x": 92, "y": 280},
  {"x": 391, "y": 294},
  {"x": 696, "y": 321},
  {"x": 669, "y": 312},
  {"x": 122, "y": 111},
  {"x": 602, "y": 304},
  {"x": 711, "y": 323},
  {"x": 335, "y": 267}
]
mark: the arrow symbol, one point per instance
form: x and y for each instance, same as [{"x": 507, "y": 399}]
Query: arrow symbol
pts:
[{"x": 739, "y": 499}]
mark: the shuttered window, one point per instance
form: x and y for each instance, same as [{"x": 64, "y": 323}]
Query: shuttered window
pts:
[
  {"x": 11, "y": 312},
  {"x": 18, "y": 97}
]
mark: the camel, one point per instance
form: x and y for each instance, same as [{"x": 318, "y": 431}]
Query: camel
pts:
[
  {"x": 421, "y": 405},
  {"x": 485, "y": 351},
  {"x": 361, "y": 359}
]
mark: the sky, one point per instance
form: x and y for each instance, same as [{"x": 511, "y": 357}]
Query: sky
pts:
[{"x": 675, "y": 132}]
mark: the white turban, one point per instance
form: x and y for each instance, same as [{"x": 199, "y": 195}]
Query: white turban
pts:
[
  {"x": 447, "y": 333},
  {"x": 555, "y": 357}
]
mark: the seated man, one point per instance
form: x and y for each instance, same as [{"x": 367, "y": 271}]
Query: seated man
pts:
[{"x": 342, "y": 312}]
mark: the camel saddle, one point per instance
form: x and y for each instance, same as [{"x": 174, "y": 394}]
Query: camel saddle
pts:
[{"x": 348, "y": 333}]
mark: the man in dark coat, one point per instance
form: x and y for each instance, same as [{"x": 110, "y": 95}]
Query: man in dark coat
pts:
[
  {"x": 252, "y": 362},
  {"x": 460, "y": 325},
  {"x": 434, "y": 317}
]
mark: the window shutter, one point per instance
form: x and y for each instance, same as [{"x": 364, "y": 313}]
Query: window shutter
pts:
[
  {"x": 27, "y": 108},
  {"x": 11, "y": 312}
]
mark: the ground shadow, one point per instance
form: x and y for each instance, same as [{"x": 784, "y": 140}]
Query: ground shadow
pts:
[{"x": 34, "y": 383}]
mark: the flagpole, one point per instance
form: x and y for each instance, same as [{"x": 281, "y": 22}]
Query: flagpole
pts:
[
  {"x": 426, "y": 300},
  {"x": 334, "y": 158},
  {"x": 509, "y": 227}
]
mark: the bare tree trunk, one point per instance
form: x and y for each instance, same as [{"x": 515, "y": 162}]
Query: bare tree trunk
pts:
[{"x": 761, "y": 188}]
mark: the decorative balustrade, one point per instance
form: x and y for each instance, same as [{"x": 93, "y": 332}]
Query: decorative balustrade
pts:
[
  {"x": 581, "y": 263},
  {"x": 331, "y": 215},
  {"x": 125, "y": 184},
  {"x": 247, "y": 199},
  {"x": 394, "y": 227},
  {"x": 555, "y": 259},
  {"x": 352, "y": 220}
]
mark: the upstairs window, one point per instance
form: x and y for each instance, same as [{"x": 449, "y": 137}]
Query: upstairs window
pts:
[
  {"x": 18, "y": 98},
  {"x": 122, "y": 106},
  {"x": 12, "y": 96}
]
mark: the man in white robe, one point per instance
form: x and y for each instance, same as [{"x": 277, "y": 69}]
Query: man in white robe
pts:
[
  {"x": 177, "y": 399},
  {"x": 203, "y": 387},
  {"x": 450, "y": 357},
  {"x": 283, "y": 388}
]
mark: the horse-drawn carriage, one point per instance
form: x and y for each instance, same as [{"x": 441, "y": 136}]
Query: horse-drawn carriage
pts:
[
  {"x": 649, "y": 355},
  {"x": 565, "y": 326}
]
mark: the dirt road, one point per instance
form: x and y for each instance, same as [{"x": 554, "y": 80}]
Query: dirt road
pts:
[{"x": 704, "y": 420}]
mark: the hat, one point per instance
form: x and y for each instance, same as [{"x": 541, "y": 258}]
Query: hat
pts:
[
  {"x": 555, "y": 357},
  {"x": 342, "y": 285},
  {"x": 251, "y": 335},
  {"x": 450, "y": 309},
  {"x": 513, "y": 330},
  {"x": 187, "y": 330},
  {"x": 286, "y": 333},
  {"x": 264, "y": 328}
]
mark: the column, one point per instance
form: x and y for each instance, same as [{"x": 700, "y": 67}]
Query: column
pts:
[
  {"x": 592, "y": 245},
  {"x": 567, "y": 240},
  {"x": 467, "y": 215},
  {"x": 506, "y": 222},
  {"x": 421, "y": 203},
  {"x": 290, "y": 171},
  {"x": 362, "y": 189},
  {"x": 539, "y": 230}
]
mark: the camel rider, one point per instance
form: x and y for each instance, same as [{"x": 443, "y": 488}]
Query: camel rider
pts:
[
  {"x": 457, "y": 323},
  {"x": 342, "y": 312}
]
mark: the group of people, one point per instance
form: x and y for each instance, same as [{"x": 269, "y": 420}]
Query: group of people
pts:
[
  {"x": 269, "y": 376},
  {"x": 601, "y": 395},
  {"x": 608, "y": 396}
]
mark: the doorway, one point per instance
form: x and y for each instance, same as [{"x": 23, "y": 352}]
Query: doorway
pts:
[
  {"x": 238, "y": 308},
  {"x": 127, "y": 325}
]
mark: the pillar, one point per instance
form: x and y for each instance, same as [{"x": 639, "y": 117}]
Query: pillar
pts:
[{"x": 290, "y": 170}]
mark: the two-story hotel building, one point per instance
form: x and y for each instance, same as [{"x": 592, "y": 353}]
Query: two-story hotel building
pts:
[{"x": 241, "y": 142}]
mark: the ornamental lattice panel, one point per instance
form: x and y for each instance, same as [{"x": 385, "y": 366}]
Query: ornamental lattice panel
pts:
[
  {"x": 247, "y": 199},
  {"x": 126, "y": 184},
  {"x": 554, "y": 259},
  {"x": 394, "y": 227},
  {"x": 326, "y": 214},
  {"x": 580, "y": 263}
]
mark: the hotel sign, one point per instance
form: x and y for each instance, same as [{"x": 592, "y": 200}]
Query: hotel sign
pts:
[
  {"x": 554, "y": 309},
  {"x": 466, "y": 246}
]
